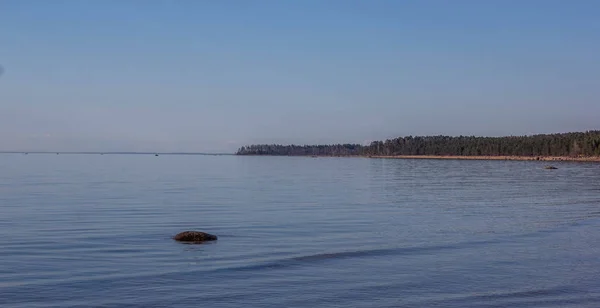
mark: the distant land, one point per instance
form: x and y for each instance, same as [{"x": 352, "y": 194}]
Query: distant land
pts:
[{"x": 573, "y": 146}]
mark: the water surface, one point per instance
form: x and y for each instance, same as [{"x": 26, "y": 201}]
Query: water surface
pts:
[{"x": 94, "y": 231}]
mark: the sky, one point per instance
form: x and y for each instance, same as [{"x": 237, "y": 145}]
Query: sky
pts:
[{"x": 211, "y": 76}]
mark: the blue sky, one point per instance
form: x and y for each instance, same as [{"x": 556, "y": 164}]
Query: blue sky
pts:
[{"x": 211, "y": 76}]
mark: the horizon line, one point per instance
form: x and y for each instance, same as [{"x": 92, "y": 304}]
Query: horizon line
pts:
[{"x": 114, "y": 152}]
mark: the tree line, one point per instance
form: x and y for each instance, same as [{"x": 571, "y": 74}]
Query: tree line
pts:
[
  {"x": 302, "y": 150},
  {"x": 565, "y": 144}
]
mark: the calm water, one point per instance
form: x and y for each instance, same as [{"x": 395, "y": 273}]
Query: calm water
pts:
[{"x": 94, "y": 231}]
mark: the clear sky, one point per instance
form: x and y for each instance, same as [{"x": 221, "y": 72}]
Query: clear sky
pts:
[{"x": 112, "y": 75}]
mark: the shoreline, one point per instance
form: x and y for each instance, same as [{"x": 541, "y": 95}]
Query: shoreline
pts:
[
  {"x": 595, "y": 159},
  {"x": 518, "y": 158}
]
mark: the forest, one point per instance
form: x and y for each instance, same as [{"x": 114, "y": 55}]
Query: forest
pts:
[{"x": 575, "y": 144}]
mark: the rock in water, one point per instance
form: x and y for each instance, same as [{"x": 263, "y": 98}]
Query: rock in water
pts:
[{"x": 194, "y": 237}]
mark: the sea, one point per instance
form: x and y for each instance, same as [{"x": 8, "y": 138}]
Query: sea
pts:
[{"x": 91, "y": 230}]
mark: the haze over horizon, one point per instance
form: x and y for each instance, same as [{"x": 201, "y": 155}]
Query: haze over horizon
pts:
[{"x": 200, "y": 76}]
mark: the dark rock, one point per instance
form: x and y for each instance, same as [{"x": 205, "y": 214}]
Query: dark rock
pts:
[
  {"x": 550, "y": 167},
  {"x": 194, "y": 237}
]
